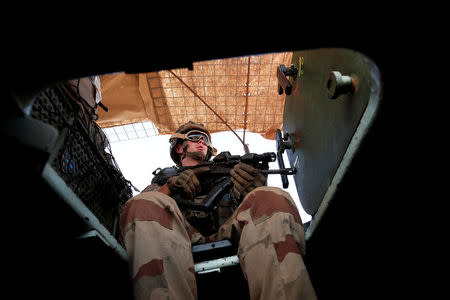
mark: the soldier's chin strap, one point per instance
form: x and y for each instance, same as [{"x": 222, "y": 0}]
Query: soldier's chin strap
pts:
[{"x": 197, "y": 155}]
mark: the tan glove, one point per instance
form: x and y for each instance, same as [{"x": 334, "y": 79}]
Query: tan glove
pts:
[
  {"x": 186, "y": 183},
  {"x": 245, "y": 179}
]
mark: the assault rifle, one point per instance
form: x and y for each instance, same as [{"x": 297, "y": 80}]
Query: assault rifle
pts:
[{"x": 219, "y": 178}]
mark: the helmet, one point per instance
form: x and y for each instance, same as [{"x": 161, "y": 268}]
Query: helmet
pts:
[{"x": 181, "y": 134}]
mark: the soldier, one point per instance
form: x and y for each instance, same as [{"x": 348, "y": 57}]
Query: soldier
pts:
[{"x": 266, "y": 225}]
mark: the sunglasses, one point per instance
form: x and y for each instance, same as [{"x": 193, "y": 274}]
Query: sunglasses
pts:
[{"x": 195, "y": 136}]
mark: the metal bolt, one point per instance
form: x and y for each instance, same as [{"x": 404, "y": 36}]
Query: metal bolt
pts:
[{"x": 339, "y": 84}]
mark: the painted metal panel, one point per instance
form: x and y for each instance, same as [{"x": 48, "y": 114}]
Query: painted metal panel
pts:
[{"x": 320, "y": 127}]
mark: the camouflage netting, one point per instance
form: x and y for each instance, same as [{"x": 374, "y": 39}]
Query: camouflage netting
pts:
[{"x": 226, "y": 85}]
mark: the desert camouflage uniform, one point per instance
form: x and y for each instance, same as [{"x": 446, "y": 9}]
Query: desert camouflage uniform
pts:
[{"x": 266, "y": 226}]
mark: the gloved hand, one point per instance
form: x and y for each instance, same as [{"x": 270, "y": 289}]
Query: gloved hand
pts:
[
  {"x": 245, "y": 179},
  {"x": 186, "y": 183}
]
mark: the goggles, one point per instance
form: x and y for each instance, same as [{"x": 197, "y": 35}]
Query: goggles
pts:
[
  {"x": 193, "y": 136},
  {"x": 196, "y": 135}
]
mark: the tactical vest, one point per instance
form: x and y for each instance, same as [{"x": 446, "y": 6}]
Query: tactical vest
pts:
[{"x": 205, "y": 223}]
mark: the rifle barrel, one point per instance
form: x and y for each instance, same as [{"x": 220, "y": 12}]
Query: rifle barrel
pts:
[{"x": 285, "y": 171}]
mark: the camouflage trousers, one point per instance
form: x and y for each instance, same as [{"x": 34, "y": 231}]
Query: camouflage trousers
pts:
[{"x": 266, "y": 226}]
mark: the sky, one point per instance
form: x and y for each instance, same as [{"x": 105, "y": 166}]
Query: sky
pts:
[{"x": 138, "y": 158}]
